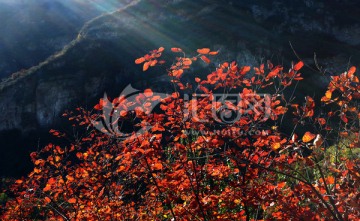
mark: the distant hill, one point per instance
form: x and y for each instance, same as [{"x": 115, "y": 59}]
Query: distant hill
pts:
[{"x": 32, "y": 30}]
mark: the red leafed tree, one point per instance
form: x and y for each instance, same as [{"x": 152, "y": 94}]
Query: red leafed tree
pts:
[{"x": 190, "y": 160}]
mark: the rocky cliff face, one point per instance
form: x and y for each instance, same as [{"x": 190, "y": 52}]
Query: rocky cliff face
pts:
[{"x": 101, "y": 59}]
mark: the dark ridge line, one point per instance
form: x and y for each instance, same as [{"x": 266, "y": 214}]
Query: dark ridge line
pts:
[{"x": 19, "y": 75}]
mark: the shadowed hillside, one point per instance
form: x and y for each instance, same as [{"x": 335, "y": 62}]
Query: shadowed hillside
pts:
[{"x": 33, "y": 30}]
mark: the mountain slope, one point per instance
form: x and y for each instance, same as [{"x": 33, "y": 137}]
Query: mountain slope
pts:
[{"x": 34, "y": 29}]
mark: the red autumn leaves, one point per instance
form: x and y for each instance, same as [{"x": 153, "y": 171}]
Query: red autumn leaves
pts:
[
  {"x": 184, "y": 168},
  {"x": 150, "y": 59}
]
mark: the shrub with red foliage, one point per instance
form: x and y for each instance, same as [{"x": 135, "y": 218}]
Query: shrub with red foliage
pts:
[{"x": 191, "y": 166}]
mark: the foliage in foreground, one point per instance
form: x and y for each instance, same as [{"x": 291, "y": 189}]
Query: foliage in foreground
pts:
[{"x": 192, "y": 166}]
